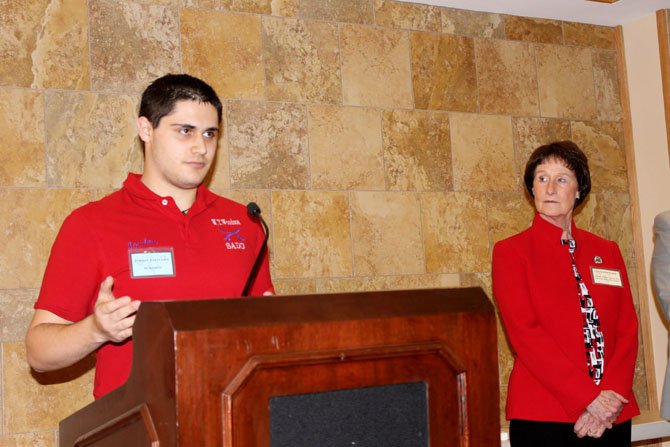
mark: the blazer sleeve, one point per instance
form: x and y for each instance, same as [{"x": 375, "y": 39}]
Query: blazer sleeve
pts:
[
  {"x": 537, "y": 349},
  {"x": 660, "y": 261},
  {"x": 620, "y": 359}
]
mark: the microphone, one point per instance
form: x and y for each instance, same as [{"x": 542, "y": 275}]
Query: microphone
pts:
[{"x": 254, "y": 212}]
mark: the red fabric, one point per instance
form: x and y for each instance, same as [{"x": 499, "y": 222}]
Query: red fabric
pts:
[
  {"x": 535, "y": 290},
  {"x": 94, "y": 242}
]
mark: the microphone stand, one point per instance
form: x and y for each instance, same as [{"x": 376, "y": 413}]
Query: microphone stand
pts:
[{"x": 255, "y": 213}]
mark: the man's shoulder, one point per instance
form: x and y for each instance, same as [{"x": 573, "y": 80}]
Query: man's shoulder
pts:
[
  {"x": 97, "y": 208},
  {"x": 662, "y": 221},
  {"x": 222, "y": 203}
]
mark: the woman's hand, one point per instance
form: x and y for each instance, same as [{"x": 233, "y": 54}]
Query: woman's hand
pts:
[
  {"x": 607, "y": 407},
  {"x": 588, "y": 425}
]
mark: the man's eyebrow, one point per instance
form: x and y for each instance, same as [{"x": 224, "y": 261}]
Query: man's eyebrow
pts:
[
  {"x": 188, "y": 126},
  {"x": 191, "y": 126}
]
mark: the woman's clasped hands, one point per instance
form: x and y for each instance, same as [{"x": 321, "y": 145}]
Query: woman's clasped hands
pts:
[{"x": 600, "y": 414}]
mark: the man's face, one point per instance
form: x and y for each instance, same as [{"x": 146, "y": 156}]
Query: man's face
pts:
[{"x": 179, "y": 151}]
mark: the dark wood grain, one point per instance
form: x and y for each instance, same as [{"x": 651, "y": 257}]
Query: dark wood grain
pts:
[{"x": 204, "y": 371}]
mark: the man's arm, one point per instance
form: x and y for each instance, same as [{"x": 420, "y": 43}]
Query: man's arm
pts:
[
  {"x": 53, "y": 342},
  {"x": 660, "y": 261}
]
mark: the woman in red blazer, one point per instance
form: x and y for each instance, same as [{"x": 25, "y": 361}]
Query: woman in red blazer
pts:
[{"x": 565, "y": 301}]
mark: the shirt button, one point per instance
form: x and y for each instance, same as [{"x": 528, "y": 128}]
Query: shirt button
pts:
[{"x": 164, "y": 202}]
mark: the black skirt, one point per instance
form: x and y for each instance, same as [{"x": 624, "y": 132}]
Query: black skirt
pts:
[{"x": 559, "y": 434}]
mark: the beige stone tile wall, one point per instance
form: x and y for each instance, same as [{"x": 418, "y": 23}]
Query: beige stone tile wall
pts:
[{"x": 385, "y": 142}]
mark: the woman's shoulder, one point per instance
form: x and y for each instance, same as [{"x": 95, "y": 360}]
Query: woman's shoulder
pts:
[
  {"x": 591, "y": 238},
  {"x": 515, "y": 242}
]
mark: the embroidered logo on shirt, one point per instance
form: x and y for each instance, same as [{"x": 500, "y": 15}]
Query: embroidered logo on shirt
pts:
[
  {"x": 224, "y": 221},
  {"x": 233, "y": 239},
  {"x": 143, "y": 243}
]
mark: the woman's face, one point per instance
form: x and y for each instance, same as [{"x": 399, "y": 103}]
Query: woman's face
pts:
[{"x": 555, "y": 189}]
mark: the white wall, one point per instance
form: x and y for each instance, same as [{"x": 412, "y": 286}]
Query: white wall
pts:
[{"x": 651, "y": 155}]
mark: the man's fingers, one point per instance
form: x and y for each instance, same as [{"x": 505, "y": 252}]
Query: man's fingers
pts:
[
  {"x": 105, "y": 292},
  {"x": 122, "y": 307}
]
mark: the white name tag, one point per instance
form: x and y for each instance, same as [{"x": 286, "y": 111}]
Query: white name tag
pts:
[
  {"x": 154, "y": 263},
  {"x": 606, "y": 277}
]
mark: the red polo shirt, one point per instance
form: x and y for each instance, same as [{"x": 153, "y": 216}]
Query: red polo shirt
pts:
[{"x": 211, "y": 250}]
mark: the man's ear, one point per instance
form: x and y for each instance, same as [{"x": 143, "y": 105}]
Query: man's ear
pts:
[{"x": 144, "y": 128}]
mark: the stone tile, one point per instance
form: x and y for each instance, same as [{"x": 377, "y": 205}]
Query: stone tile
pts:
[
  {"x": 386, "y": 233},
  {"x": 202, "y": 4},
  {"x": 370, "y": 55},
  {"x": 295, "y": 286},
  {"x": 131, "y": 44},
  {"x": 91, "y": 139},
  {"x": 455, "y": 232},
  {"x": 396, "y": 14},
  {"x": 472, "y": 23},
  {"x": 218, "y": 177},
  {"x": 565, "y": 76},
  {"x": 351, "y": 11},
  {"x": 315, "y": 242},
  {"x": 619, "y": 223},
  {"x": 606, "y": 77},
  {"x": 22, "y": 131},
  {"x": 592, "y": 215},
  {"x": 346, "y": 148},
  {"x": 35, "y": 439},
  {"x": 268, "y": 145},
  {"x": 533, "y": 30},
  {"x": 507, "y": 77},
  {"x": 29, "y": 227},
  {"x": 482, "y": 153},
  {"x": 531, "y": 133},
  {"x": 417, "y": 150},
  {"x": 603, "y": 144},
  {"x": 60, "y": 59},
  {"x": 444, "y": 74},
  {"x": 285, "y": 8},
  {"x": 21, "y": 24},
  {"x": 587, "y": 35},
  {"x": 391, "y": 282},
  {"x": 481, "y": 280},
  {"x": 225, "y": 49},
  {"x": 252, "y": 6},
  {"x": 38, "y": 401},
  {"x": 508, "y": 214},
  {"x": 16, "y": 311},
  {"x": 301, "y": 60}
]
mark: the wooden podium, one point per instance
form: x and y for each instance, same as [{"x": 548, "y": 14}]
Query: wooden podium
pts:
[{"x": 206, "y": 373}]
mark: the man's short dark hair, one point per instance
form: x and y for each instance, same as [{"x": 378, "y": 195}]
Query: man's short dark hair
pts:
[
  {"x": 160, "y": 97},
  {"x": 568, "y": 153}
]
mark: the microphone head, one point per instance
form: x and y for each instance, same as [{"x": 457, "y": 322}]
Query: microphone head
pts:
[{"x": 253, "y": 209}]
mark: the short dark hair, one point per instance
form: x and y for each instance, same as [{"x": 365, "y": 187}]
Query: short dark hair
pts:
[
  {"x": 568, "y": 153},
  {"x": 160, "y": 97}
]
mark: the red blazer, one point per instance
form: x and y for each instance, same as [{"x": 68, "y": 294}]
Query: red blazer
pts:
[{"x": 536, "y": 293}]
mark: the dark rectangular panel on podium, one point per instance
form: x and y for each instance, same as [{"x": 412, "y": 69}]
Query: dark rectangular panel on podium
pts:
[{"x": 286, "y": 370}]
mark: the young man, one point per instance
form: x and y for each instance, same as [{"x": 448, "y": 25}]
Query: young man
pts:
[{"x": 163, "y": 236}]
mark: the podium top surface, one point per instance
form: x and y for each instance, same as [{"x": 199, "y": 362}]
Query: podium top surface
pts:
[{"x": 255, "y": 311}]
